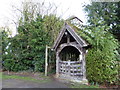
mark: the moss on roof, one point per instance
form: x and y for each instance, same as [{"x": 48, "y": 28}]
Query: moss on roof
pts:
[{"x": 80, "y": 31}]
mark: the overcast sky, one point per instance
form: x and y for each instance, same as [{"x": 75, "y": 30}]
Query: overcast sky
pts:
[{"x": 66, "y": 8}]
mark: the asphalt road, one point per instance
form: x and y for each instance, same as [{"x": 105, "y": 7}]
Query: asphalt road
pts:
[{"x": 15, "y": 83}]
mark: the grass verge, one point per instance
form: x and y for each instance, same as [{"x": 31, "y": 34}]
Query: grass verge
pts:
[
  {"x": 44, "y": 78},
  {"x": 0, "y": 75}
]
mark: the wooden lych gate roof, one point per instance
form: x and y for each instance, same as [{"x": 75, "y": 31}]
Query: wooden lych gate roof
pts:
[{"x": 72, "y": 32}]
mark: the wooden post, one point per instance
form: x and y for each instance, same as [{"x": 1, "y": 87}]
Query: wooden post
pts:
[
  {"x": 80, "y": 57},
  {"x": 84, "y": 67},
  {"x": 68, "y": 39},
  {"x": 46, "y": 57},
  {"x": 57, "y": 64},
  {"x": 69, "y": 68}
]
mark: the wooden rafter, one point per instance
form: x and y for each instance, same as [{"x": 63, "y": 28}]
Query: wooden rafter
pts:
[{"x": 68, "y": 28}]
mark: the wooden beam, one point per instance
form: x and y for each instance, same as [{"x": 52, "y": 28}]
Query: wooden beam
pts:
[
  {"x": 84, "y": 67},
  {"x": 46, "y": 59},
  {"x": 57, "y": 64},
  {"x": 68, "y": 39}
]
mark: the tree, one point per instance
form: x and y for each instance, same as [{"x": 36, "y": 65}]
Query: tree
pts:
[
  {"x": 35, "y": 31},
  {"x": 107, "y": 12},
  {"x": 4, "y": 43},
  {"x": 53, "y": 25},
  {"x": 103, "y": 58},
  {"x": 102, "y": 64}
]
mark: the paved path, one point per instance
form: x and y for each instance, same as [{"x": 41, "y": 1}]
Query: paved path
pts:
[{"x": 14, "y": 83}]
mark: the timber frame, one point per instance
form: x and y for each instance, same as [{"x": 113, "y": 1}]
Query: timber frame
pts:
[{"x": 70, "y": 51}]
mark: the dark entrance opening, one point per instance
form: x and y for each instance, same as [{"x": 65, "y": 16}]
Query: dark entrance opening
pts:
[{"x": 69, "y": 53}]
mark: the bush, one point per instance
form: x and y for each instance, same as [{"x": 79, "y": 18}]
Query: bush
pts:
[
  {"x": 26, "y": 51},
  {"x": 101, "y": 60}
]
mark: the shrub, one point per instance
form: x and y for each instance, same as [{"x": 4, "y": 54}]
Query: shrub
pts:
[{"x": 101, "y": 60}]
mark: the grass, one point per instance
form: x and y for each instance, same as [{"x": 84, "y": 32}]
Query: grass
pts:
[
  {"x": 0, "y": 75},
  {"x": 44, "y": 78},
  {"x": 83, "y": 86}
]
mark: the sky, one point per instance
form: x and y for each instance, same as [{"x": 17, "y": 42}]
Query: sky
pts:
[{"x": 66, "y": 8}]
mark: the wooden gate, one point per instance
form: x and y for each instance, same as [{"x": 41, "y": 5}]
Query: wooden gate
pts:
[{"x": 70, "y": 69}]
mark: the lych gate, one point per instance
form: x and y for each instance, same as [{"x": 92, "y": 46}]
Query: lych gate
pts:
[{"x": 70, "y": 55}]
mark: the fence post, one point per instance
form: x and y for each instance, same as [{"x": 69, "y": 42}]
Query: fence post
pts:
[{"x": 46, "y": 57}]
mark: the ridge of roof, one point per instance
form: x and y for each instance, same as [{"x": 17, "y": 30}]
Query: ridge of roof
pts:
[
  {"x": 75, "y": 31},
  {"x": 78, "y": 38}
]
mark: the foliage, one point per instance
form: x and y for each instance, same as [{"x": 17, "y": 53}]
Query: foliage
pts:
[
  {"x": 53, "y": 24},
  {"x": 105, "y": 11},
  {"x": 26, "y": 50},
  {"x": 102, "y": 59},
  {"x": 4, "y": 43},
  {"x": 102, "y": 65}
]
